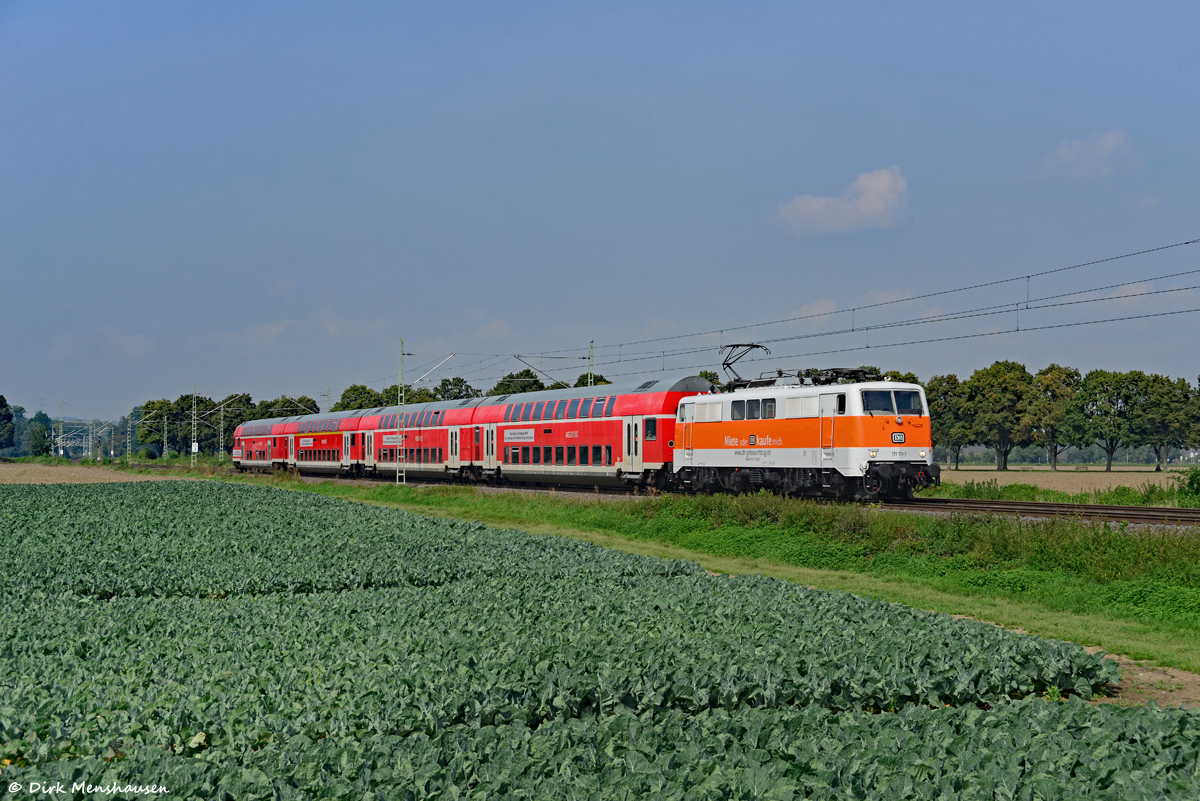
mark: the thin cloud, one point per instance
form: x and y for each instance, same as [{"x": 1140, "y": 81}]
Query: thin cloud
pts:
[
  {"x": 493, "y": 330},
  {"x": 876, "y": 199},
  {"x": 1088, "y": 158}
]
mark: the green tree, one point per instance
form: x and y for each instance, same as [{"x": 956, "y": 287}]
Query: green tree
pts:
[
  {"x": 39, "y": 438},
  {"x": 515, "y": 383},
  {"x": 906, "y": 378},
  {"x": 998, "y": 397},
  {"x": 1102, "y": 411},
  {"x": 357, "y": 396},
  {"x": 597, "y": 380},
  {"x": 155, "y": 414},
  {"x": 711, "y": 375},
  {"x": 284, "y": 406},
  {"x": 948, "y": 412},
  {"x": 1053, "y": 388},
  {"x": 455, "y": 389},
  {"x": 391, "y": 395},
  {"x": 8, "y": 428},
  {"x": 1160, "y": 418}
]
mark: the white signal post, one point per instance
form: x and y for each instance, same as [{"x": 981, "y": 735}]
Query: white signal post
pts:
[{"x": 402, "y": 473}]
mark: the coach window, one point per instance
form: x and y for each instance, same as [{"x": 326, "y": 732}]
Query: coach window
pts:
[
  {"x": 570, "y": 454},
  {"x": 608, "y": 410},
  {"x": 585, "y": 408},
  {"x": 537, "y": 454},
  {"x": 598, "y": 408},
  {"x": 768, "y": 408},
  {"x": 524, "y": 454},
  {"x": 608, "y": 455},
  {"x": 508, "y": 413},
  {"x": 583, "y": 454},
  {"x": 560, "y": 411},
  {"x": 908, "y": 402},
  {"x": 841, "y": 403},
  {"x": 546, "y": 456},
  {"x": 537, "y": 410},
  {"x": 476, "y": 435},
  {"x": 572, "y": 408},
  {"x": 558, "y": 454},
  {"x": 635, "y": 439},
  {"x": 651, "y": 429},
  {"x": 597, "y": 455},
  {"x": 752, "y": 409},
  {"x": 526, "y": 412},
  {"x": 737, "y": 410}
]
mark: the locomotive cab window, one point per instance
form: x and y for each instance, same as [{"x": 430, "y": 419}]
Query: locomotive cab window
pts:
[
  {"x": 737, "y": 410},
  {"x": 841, "y": 403},
  {"x": 876, "y": 401},
  {"x": 908, "y": 402}
]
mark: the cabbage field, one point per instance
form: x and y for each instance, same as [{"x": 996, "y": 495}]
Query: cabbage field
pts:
[{"x": 227, "y": 641}]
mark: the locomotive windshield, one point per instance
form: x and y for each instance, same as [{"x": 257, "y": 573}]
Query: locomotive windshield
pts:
[
  {"x": 877, "y": 401},
  {"x": 906, "y": 402}
]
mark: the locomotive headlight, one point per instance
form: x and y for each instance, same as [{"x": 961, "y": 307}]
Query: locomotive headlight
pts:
[
  {"x": 922, "y": 454},
  {"x": 873, "y": 453}
]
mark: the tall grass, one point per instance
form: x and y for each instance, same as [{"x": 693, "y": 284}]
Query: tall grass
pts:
[{"x": 1179, "y": 495}]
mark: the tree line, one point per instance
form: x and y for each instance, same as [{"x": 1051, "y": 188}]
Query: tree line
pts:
[
  {"x": 360, "y": 396},
  {"x": 22, "y": 436},
  {"x": 214, "y": 417},
  {"x": 1004, "y": 406}
]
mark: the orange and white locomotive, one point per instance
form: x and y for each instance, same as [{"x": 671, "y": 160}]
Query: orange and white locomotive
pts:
[{"x": 860, "y": 439}]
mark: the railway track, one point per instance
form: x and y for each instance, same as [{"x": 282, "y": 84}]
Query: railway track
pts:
[
  {"x": 1146, "y": 515},
  {"x": 1153, "y": 515}
]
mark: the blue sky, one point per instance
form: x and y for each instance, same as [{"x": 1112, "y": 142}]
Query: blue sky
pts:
[{"x": 265, "y": 197}]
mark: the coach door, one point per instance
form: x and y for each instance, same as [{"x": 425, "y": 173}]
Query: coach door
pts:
[
  {"x": 828, "y": 413},
  {"x": 291, "y": 451},
  {"x": 452, "y": 457},
  {"x": 489, "y": 446},
  {"x": 346, "y": 449},
  {"x": 633, "y": 443},
  {"x": 368, "y": 443},
  {"x": 689, "y": 419}
]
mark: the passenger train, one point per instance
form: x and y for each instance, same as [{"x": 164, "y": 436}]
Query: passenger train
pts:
[{"x": 790, "y": 434}]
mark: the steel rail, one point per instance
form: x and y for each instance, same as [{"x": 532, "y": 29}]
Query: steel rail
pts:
[{"x": 1154, "y": 515}]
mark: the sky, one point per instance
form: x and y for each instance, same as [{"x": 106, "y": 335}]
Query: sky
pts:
[{"x": 265, "y": 197}]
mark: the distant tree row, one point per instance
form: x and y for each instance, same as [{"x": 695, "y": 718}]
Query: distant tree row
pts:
[
  {"x": 20, "y": 436},
  {"x": 212, "y": 418},
  {"x": 1004, "y": 406},
  {"x": 360, "y": 396}
]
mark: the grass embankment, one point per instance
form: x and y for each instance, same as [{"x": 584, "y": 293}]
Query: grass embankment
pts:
[
  {"x": 1130, "y": 592},
  {"x": 1185, "y": 493}
]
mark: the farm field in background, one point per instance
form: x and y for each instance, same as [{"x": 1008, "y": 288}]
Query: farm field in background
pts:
[
  {"x": 1065, "y": 479},
  {"x": 223, "y": 639}
]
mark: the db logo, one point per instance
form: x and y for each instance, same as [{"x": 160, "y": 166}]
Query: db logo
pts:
[{"x": 898, "y": 436}]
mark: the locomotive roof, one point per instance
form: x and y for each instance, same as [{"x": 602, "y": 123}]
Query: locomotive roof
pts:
[{"x": 670, "y": 382}]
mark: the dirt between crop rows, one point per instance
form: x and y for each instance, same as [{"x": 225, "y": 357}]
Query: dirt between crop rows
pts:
[
  {"x": 18, "y": 473},
  {"x": 1140, "y": 682},
  {"x": 1065, "y": 480}
]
